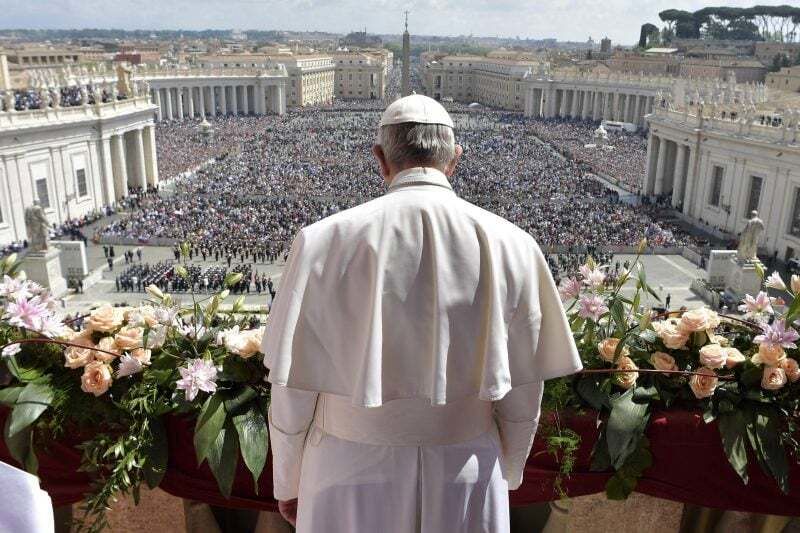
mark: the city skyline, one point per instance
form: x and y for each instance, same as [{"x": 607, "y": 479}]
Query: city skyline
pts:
[{"x": 565, "y": 20}]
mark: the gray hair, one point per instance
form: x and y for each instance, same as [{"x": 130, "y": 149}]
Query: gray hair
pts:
[{"x": 430, "y": 145}]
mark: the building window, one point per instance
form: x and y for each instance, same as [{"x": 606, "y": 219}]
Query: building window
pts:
[
  {"x": 42, "y": 193},
  {"x": 716, "y": 186},
  {"x": 754, "y": 197},
  {"x": 80, "y": 177},
  {"x": 794, "y": 227}
]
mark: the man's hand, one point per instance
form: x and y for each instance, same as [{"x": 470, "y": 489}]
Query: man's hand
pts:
[{"x": 288, "y": 510}]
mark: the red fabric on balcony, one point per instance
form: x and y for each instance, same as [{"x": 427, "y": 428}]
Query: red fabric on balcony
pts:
[{"x": 688, "y": 466}]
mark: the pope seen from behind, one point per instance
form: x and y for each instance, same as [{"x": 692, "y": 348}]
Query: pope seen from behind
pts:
[{"x": 407, "y": 349}]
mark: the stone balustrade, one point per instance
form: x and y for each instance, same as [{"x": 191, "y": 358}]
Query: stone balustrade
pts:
[{"x": 68, "y": 114}]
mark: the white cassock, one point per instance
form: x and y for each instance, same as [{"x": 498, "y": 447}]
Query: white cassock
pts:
[
  {"x": 26, "y": 507},
  {"x": 407, "y": 348}
]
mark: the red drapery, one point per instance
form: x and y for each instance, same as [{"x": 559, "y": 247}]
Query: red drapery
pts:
[{"x": 688, "y": 466}]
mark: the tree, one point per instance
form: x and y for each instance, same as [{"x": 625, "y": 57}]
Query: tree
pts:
[{"x": 645, "y": 33}]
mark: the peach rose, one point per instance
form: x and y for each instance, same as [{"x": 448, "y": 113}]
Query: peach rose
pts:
[
  {"x": 608, "y": 348},
  {"x": 773, "y": 378},
  {"x": 769, "y": 354},
  {"x": 663, "y": 361},
  {"x": 713, "y": 356},
  {"x": 700, "y": 319},
  {"x": 791, "y": 368},
  {"x": 96, "y": 378},
  {"x": 703, "y": 385},
  {"x": 129, "y": 338},
  {"x": 107, "y": 344},
  {"x": 244, "y": 344},
  {"x": 78, "y": 357},
  {"x": 142, "y": 355},
  {"x": 734, "y": 357},
  {"x": 144, "y": 315},
  {"x": 104, "y": 319},
  {"x": 626, "y": 380},
  {"x": 670, "y": 335}
]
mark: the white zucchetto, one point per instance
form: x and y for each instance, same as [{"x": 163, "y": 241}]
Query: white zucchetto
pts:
[{"x": 416, "y": 108}]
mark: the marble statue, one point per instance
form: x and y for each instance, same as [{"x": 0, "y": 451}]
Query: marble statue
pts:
[
  {"x": 37, "y": 227},
  {"x": 8, "y": 98},
  {"x": 748, "y": 242}
]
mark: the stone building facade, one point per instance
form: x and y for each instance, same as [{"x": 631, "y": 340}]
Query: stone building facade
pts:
[
  {"x": 74, "y": 160},
  {"x": 716, "y": 167}
]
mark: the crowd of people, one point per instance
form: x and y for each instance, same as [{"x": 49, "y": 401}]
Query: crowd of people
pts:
[
  {"x": 272, "y": 175},
  {"x": 73, "y": 95},
  {"x": 623, "y": 157},
  {"x": 198, "y": 279}
]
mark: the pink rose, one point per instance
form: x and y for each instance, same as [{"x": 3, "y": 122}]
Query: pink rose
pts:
[
  {"x": 104, "y": 319},
  {"x": 734, "y": 357},
  {"x": 700, "y": 319},
  {"x": 96, "y": 378},
  {"x": 670, "y": 335},
  {"x": 791, "y": 368},
  {"x": 769, "y": 354},
  {"x": 608, "y": 348},
  {"x": 773, "y": 378},
  {"x": 141, "y": 355},
  {"x": 129, "y": 338},
  {"x": 107, "y": 344},
  {"x": 663, "y": 361},
  {"x": 704, "y": 384},
  {"x": 713, "y": 356},
  {"x": 626, "y": 380}
]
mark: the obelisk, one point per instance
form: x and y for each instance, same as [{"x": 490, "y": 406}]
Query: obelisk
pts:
[{"x": 405, "y": 84}]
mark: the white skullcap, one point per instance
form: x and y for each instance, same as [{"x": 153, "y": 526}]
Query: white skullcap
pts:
[{"x": 416, "y": 108}]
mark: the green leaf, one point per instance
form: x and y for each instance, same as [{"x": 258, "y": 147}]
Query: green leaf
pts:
[
  {"x": 209, "y": 424},
  {"x": 34, "y": 400},
  {"x": 793, "y": 311},
  {"x": 22, "y": 373},
  {"x": 9, "y": 395},
  {"x": 223, "y": 457},
  {"x": 618, "y": 314},
  {"x": 253, "y": 440},
  {"x": 157, "y": 454},
  {"x": 619, "y": 487},
  {"x": 21, "y": 448},
  {"x": 768, "y": 433},
  {"x": 733, "y": 431},
  {"x": 601, "y": 461},
  {"x": 626, "y": 424},
  {"x": 588, "y": 388}
]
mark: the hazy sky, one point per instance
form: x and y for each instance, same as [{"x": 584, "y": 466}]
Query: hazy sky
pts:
[{"x": 562, "y": 19}]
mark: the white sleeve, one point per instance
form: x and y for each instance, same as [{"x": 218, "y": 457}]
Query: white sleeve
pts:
[
  {"x": 517, "y": 417},
  {"x": 291, "y": 412}
]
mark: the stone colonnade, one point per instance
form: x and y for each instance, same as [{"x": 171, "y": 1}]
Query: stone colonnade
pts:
[
  {"x": 186, "y": 97},
  {"x": 668, "y": 171},
  {"x": 128, "y": 161},
  {"x": 622, "y": 104}
]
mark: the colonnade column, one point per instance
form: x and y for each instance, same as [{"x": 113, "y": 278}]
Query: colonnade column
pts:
[
  {"x": 679, "y": 178},
  {"x": 234, "y": 100},
  {"x": 150, "y": 157},
  {"x": 202, "y": 101},
  {"x": 168, "y": 98},
  {"x": 627, "y": 108},
  {"x": 139, "y": 166},
  {"x": 689, "y": 181},
  {"x": 108, "y": 170},
  {"x": 245, "y": 100},
  {"x": 224, "y": 105},
  {"x": 157, "y": 101},
  {"x": 191, "y": 101},
  {"x": 179, "y": 102},
  {"x": 662, "y": 153},
  {"x": 120, "y": 166}
]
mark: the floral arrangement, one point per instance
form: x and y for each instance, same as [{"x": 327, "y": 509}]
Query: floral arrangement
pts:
[
  {"x": 742, "y": 372},
  {"x": 116, "y": 379}
]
